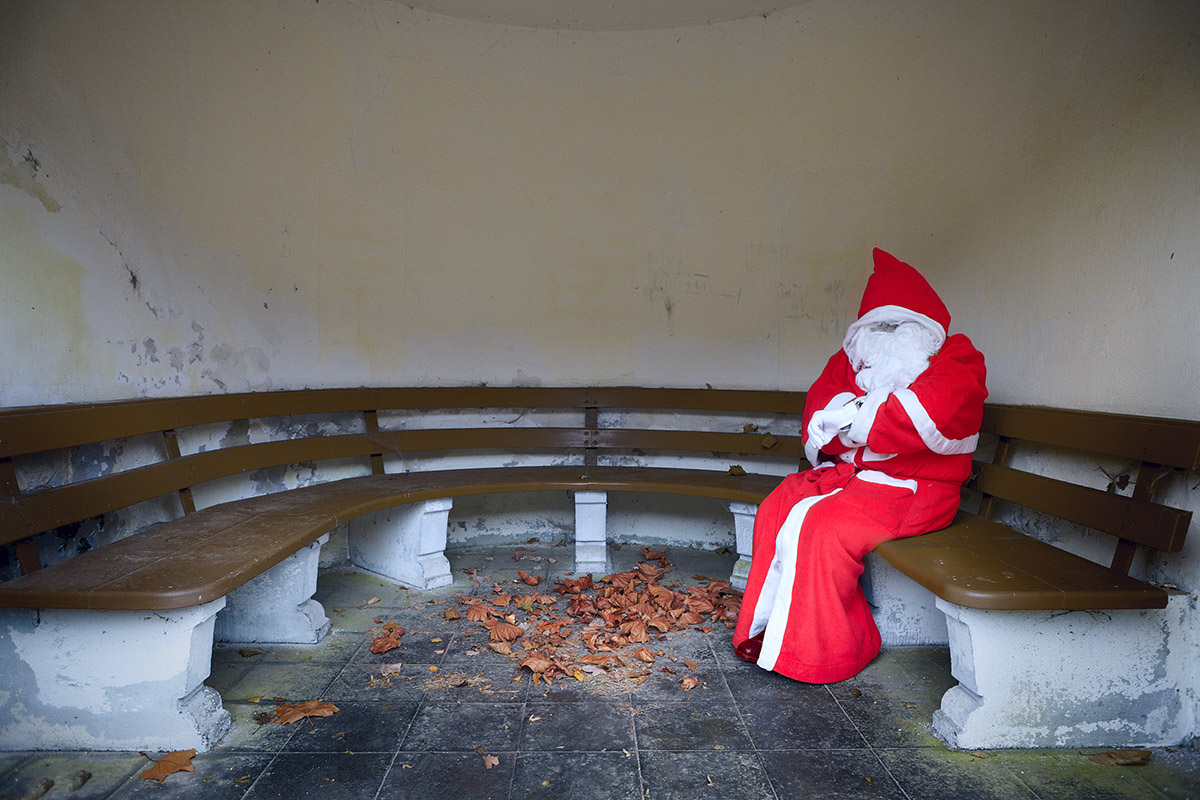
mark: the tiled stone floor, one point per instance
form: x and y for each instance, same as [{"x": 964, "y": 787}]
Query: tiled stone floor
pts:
[{"x": 743, "y": 733}]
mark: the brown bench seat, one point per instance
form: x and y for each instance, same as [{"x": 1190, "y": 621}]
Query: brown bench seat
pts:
[{"x": 212, "y": 552}]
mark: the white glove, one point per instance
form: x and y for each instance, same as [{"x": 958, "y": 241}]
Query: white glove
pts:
[{"x": 825, "y": 425}]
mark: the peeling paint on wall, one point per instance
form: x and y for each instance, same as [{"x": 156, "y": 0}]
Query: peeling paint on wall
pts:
[{"x": 23, "y": 172}]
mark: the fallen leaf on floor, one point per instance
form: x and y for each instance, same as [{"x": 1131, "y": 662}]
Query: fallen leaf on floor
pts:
[
  {"x": 651, "y": 555},
  {"x": 688, "y": 683},
  {"x": 644, "y": 654},
  {"x": 1122, "y": 758},
  {"x": 451, "y": 614},
  {"x": 370, "y": 602},
  {"x": 389, "y": 639},
  {"x": 870, "y": 780},
  {"x": 490, "y": 761},
  {"x": 256, "y": 699},
  {"x": 980, "y": 754},
  {"x": 287, "y": 713},
  {"x": 737, "y": 470},
  {"x": 247, "y": 653},
  {"x": 528, "y": 579},
  {"x": 690, "y": 664},
  {"x": 856, "y": 692},
  {"x": 175, "y": 761},
  {"x": 39, "y": 789},
  {"x": 80, "y": 778}
]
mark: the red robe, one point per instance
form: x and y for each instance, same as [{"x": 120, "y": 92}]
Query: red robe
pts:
[{"x": 896, "y": 473}]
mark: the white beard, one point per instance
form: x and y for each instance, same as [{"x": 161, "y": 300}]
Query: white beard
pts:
[{"x": 890, "y": 358}]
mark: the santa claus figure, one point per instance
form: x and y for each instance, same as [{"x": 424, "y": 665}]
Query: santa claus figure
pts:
[{"x": 889, "y": 428}]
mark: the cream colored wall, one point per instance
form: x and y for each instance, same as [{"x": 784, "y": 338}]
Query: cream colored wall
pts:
[{"x": 228, "y": 196}]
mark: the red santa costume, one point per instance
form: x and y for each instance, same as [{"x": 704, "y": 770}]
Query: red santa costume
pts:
[{"x": 889, "y": 455}]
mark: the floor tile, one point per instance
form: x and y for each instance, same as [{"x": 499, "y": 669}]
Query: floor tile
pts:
[
  {"x": 832, "y": 774},
  {"x": 464, "y": 776},
  {"x": 427, "y": 646},
  {"x": 688, "y": 776},
  {"x": 940, "y": 774},
  {"x": 462, "y": 727},
  {"x": 330, "y": 776},
  {"x": 577, "y": 776},
  {"x": 294, "y": 682},
  {"x": 367, "y": 683},
  {"x": 219, "y": 776},
  {"x": 105, "y": 772},
  {"x": 1071, "y": 773},
  {"x": 253, "y": 729},
  {"x": 815, "y": 723},
  {"x": 356, "y": 727},
  {"x": 584, "y": 726},
  {"x": 690, "y": 726},
  {"x": 901, "y": 717}
]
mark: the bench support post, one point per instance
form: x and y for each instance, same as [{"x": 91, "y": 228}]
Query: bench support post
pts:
[
  {"x": 406, "y": 543},
  {"x": 743, "y": 531},
  {"x": 109, "y": 680},
  {"x": 277, "y": 606},
  {"x": 905, "y": 612},
  {"x": 1068, "y": 678},
  {"x": 591, "y": 520}
]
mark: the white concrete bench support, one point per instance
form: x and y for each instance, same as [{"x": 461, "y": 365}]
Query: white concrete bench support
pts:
[
  {"x": 743, "y": 531},
  {"x": 905, "y": 612},
  {"x": 277, "y": 606},
  {"x": 406, "y": 543},
  {"x": 1069, "y": 679},
  {"x": 108, "y": 680},
  {"x": 591, "y": 519}
]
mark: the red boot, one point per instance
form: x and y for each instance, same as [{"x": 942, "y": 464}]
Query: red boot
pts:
[{"x": 750, "y": 648}]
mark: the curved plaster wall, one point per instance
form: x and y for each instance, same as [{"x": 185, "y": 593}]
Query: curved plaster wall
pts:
[{"x": 228, "y": 196}]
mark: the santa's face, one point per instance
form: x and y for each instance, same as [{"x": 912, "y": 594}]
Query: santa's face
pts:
[{"x": 890, "y": 354}]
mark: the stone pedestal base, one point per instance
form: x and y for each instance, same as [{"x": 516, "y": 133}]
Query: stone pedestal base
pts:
[
  {"x": 743, "y": 531},
  {"x": 108, "y": 680},
  {"x": 277, "y": 606},
  {"x": 591, "y": 520},
  {"x": 406, "y": 543},
  {"x": 1117, "y": 678}
]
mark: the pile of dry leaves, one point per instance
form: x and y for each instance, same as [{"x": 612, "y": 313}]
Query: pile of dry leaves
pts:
[{"x": 592, "y": 628}]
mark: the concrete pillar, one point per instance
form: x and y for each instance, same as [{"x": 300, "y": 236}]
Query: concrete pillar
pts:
[
  {"x": 905, "y": 612},
  {"x": 277, "y": 606},
  {"x": 1117, "y": 678},
  {"x": 406, "y": 543},
  {"x": 591, "y": 519},
  {"x": 73, "y": 679},
  {"x": 743, "y": 530}
]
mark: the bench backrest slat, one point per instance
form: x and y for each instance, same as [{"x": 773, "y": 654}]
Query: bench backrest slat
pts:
[
  {"x": 31, "y": 430},
  {"x": 28, "y": 514},
  {"x": 1150, "y": 524},
  {"x": 1159, "y": 441}
]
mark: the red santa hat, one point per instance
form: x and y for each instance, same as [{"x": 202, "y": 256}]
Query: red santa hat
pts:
[{"x": 896, "y": 292}]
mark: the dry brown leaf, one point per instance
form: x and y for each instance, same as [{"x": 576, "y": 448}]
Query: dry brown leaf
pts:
[
  {"x": 736, "y": 469},
  {"x": 644, "y": 654},
  {"x": 690, "y": 664},
  {"x": 490, "y": 761},
  {"x": 175, "y": 761},
  {"x": 505, "y": 632},
  {"x": 528, "y": 579},
  {"x": 652, "y": 556},
  {"x": 536, "y": 664},
  {"x": 501, "y": 647},
  {"x": 451, "y": 614},
  {"x": 247, "y": 653},
  {"x": 1122, "y": 758},
  {"x": 287, "y": 713},
  {"x": 688, "y": 683},
  {"x": 478, "y": 612},
  {"x": 387, "y": 640}
]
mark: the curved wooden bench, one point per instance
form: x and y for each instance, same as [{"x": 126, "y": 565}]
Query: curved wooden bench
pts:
[{"x": 1003, "y": 594}]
